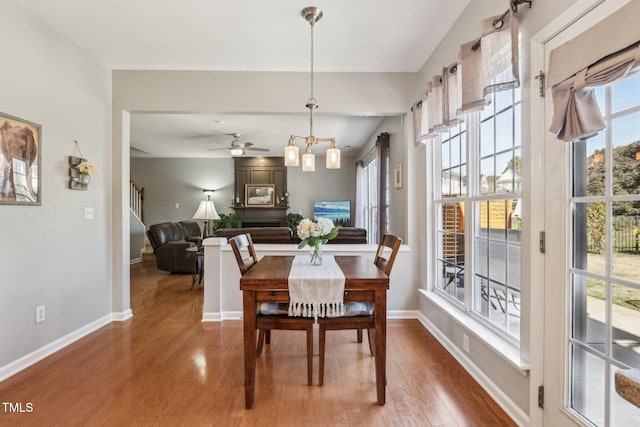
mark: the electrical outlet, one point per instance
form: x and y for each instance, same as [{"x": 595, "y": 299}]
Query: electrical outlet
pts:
[
  {"x": 40, "y": 314},
  {"x": 465, "y": 342}
]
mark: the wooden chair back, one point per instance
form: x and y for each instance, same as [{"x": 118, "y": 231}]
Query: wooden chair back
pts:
[
  {"x": 238, "y": 244},
  {"x": 391, "y": 242}
]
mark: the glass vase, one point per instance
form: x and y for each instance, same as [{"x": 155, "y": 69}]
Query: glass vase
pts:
[
  {"x": 84, "y": 178},
  {"x": 316, "y": 254}
]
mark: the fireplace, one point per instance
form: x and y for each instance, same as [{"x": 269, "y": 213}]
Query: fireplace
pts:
[{"x": 261, "y": 217}]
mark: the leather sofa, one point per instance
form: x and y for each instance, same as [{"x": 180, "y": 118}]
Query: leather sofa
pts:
[
  {"x": 169, "y": 243},
  {"x": 346, "y": 235}
]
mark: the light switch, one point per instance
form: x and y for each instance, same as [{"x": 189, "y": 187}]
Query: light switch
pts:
[
  {"x": 88, "y": 213},
  {"x": 177, "y": 205}
]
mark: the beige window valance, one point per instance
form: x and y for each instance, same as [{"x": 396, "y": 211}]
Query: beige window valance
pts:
[
  {"x": 576, "y": 113},
  {"x": 485, "y": 65},
  {"x": 606, "y": 53},
  {"x": 617, "y": 31}
]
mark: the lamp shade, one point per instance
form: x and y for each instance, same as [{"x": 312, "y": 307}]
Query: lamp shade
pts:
[
  {"x": 291, "y": 155},
  {"x": 206, "y": 211},
  {"x": 333, "y": 157},
  {"x": 308, "y": 162}
]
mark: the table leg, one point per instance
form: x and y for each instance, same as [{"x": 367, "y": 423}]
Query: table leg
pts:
[
  {"x": 380, "y": 321},
  {"x": 249, "y": 315}
]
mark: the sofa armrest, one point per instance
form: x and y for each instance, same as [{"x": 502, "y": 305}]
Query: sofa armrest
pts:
[{"x": 174, "y": 257}]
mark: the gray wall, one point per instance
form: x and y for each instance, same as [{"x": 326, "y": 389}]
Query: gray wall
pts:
[
  {"x": 170, "y": 181},
  {"x": 173, "y": 187},
  {"x": 305, "y": 188},
  {"x": 49, "y": 254}
]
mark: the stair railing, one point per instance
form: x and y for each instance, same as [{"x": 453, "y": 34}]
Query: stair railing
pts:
[{"x": 136, "y": 200}]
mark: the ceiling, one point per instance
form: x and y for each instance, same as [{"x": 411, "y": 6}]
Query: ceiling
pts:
[{"x": 249, "y": 35}]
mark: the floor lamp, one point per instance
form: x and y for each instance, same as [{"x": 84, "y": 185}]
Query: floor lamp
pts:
[{"x": 206, "y": 212}]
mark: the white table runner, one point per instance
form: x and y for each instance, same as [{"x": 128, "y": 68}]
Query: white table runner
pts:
[{"x": 316, "y": 289}]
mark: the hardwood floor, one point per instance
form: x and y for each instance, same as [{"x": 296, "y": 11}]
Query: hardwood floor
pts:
[{"x": 165, "y": 367}]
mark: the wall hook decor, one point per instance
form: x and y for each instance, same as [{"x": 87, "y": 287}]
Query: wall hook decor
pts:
[{"x": 80, "y": 170}]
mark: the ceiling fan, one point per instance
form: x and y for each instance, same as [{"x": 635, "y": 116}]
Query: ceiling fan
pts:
[{"x": 238, "y": 148}]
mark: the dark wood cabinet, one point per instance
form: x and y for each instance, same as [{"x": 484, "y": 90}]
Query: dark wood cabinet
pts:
[{"x": 261, "y": 170}]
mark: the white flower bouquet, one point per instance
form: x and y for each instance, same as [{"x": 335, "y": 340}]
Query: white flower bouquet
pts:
[
  {"x": 316, "y": 233},
  {"x": 86, "y": 168}
]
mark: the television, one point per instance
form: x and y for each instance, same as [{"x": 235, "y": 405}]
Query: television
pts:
[{"x": 339, "y": 211}]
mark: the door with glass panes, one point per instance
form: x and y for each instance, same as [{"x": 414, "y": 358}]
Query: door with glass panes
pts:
[{"x": 592, "y": 263}]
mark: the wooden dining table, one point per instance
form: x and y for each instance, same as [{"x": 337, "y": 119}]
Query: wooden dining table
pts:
[{"x": 267, "y": 281}]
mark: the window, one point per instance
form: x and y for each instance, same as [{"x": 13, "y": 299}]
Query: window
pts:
[
  {"x": 478, "y": 213},
  {"x": 372, "y": 182},
  {"x": 370, "y": 200},
  {"x": 605, "y": 258}
]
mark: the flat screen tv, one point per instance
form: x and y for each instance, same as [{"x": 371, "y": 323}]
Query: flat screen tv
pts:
[{"x": 339, "y": 211}]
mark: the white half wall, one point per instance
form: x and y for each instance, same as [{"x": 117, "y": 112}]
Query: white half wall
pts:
[{"x": 223, "y": 298}]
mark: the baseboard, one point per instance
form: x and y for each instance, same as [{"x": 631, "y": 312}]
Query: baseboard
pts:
[
  {"x": 211, "y": 317},
  {"x": 232, "y": 315},
  {"x": 57, "y": 345},
  {"x": 508, "y": 405},
  {"x": 135, "y": 261},
  {"x": 403, "y": 314},
  {"x": 122, "y": 316}
]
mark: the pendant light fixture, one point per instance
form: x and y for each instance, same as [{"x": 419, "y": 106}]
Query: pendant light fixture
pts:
[{"x": 291, "y": 152}]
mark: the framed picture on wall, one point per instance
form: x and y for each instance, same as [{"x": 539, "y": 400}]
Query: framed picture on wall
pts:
[
  {"x": 259, "y": 195},
  {"x": 20, "y": 152}
]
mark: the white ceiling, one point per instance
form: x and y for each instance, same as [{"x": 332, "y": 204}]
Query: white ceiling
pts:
[
  {"x": 193, "y": 135},
  {"x": 249, "y": 35}
]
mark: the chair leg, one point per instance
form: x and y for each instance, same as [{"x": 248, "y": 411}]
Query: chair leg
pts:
[
  {"x": 321, "y": 337},
  {"x": 371, "y": 334},
  {"x": 260, "y": 341},
  {"x": 359, "y": 334},
  {"x": 267, "y": 336},
  {"x": 310, "y": 354}
]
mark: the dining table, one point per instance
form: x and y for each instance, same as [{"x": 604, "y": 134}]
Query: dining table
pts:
[{"x": 268, "y": 281}]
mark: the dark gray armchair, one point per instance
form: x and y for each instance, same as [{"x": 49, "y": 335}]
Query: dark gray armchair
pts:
[{"x": 169, "y": 246}]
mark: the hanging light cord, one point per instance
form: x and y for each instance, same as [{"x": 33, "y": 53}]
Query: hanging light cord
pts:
[{"x": 312, "y": 100}]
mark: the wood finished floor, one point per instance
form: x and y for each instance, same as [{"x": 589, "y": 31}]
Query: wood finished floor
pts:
[{"x": 165, "y": 367}]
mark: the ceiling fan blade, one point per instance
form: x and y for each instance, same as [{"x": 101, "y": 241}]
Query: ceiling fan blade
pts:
[
  {"x": 214, "y": 149},
  {"x": 132, "y": 148},
  {"x": 257, "y": 149}
]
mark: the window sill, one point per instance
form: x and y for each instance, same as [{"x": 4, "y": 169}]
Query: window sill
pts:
[{"x": 504, "y": 348}]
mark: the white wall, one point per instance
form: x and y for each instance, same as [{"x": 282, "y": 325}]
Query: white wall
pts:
[
  {"x": 50, "y": 255},
  {"x": 223, "y": 298}
]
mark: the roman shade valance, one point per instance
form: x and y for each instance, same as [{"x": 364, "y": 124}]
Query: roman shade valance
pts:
[
  {"x": 576, "y": 112},
  {"x": 618, "y": 31},
  {"x": 606, "y": 53}
]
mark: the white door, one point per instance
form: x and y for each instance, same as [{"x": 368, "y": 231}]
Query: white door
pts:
[{"x": 592, "y": 260}]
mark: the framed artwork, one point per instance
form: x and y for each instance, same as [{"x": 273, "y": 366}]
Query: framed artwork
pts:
[
  {"x": 338, "y": 211},
  {"x": 397, "y": 176},
  {"x": 20, "y": 152},
  {"x": 259, "y": 195}
]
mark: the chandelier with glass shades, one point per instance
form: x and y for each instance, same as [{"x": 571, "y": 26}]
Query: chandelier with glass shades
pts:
[{"x": 291, "y": 151}]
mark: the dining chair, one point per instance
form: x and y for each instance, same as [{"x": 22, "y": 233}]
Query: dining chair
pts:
[
  {"x": 359, "y": 315},
  {"x": 271, "y": 315}
]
